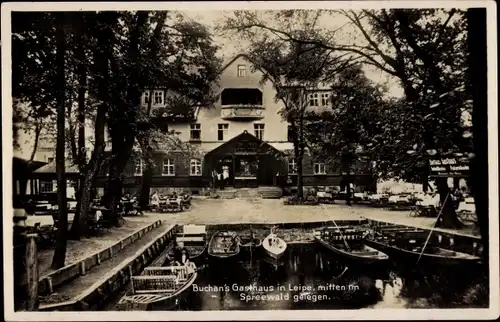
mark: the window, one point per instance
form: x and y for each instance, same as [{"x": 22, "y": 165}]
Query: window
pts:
[
  {"x": 138, "y": 168},
  {"x": 47, "y": 186},
  {"x": 146, "y": 97},
  {"x": 290, "y": 133},
  {"x": 222, "y": 130},
  {"x": 319, "y": 168},
  {"x": 49, "y": 160},
  {"x": 168, "y": 167},
  {"x": 313, "y": 99},
  {"x": 292, "y": 166},
  {"x": 325, "y": 99},
  {"x": 242, "y": 70},
  {"x": 195, "y": 167},
  {"x": 259, "y": 131},
  {"x": 158, "y": 97},
  {"x": 195, "y": 132}
]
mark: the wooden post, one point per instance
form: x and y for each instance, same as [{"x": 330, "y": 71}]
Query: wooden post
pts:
[{"x": 31, "y": 273}]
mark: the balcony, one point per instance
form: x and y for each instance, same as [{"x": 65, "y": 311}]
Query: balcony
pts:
[
  {"x": 232, "y": 112},
  {"x": 241, "y": 103}
]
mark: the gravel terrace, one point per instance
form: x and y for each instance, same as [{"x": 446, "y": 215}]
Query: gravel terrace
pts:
[{"x": 233, "y": 211}]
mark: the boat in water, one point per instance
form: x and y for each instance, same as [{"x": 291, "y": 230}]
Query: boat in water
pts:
[
  {"x": 193, "y": 238},
  {"x": 223, "y": 245},
  {"x": 159, "y": 288},
  {"x": 274, "y": 246},
  {"x": 249, "y": 242},
  {"x": 349, "y": 243},
  {"x": 416, "y": 246}
]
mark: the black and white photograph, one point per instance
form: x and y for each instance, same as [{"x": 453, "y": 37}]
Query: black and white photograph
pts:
[{"x": 250, "y": 160}]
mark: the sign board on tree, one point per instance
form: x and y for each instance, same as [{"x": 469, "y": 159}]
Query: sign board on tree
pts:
[{"x": 449, "y": 167}]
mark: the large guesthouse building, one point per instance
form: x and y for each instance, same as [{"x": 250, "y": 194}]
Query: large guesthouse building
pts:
[{"x": 242, "y": 137}]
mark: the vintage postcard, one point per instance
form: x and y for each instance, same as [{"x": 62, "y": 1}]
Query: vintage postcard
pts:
[{"x": 250, "y": 160}]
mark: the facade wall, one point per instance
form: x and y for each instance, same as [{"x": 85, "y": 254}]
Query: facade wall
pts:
[{"x": 275, "y": 129}]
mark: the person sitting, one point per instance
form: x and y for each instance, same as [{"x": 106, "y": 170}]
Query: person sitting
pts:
[{"x": 155, "y": 199}]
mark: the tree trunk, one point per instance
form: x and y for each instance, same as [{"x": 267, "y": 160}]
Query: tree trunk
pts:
[
  {"x": 448, "y": 217},
  {"x": 147, "y": 151},
  {"x": 299, "y": 133},
  {"x": 79, "y": 225},
  {"x": 425, "y": 178},
  {"x": 62, "y": 223},
  {"x": 38, "y": 130},
  {"x": 147, "y": 175},
  {"x": 122, "y": 144},
  {"x": 93, "y": 168}
]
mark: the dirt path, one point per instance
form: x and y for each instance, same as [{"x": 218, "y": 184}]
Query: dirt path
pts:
[
  {"x": 78, "y": 250},
  {"x": 77, "y": 286}
]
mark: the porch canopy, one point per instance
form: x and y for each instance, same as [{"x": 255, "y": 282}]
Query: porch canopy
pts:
[{"x": 249, "y": 161}]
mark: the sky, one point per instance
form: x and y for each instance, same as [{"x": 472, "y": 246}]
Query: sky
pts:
[{"x": 348, "y": 35}]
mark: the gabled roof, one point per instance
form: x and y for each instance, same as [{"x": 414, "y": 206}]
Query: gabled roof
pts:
[
  {"x": 244, "y": 136},
  {"x": 51, "y": 168}
]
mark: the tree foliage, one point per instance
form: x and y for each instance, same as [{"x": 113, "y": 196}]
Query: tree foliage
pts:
[{"x": 425, "y": 50}]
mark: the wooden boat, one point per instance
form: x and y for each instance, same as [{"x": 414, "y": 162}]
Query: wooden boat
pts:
[
  {"x": 408, "y": 245},
  {"x": 223, "y": 245},
  {"x": 249, "y": 242},
  {"x": 194, "y": 239},
  {"x": 348, "y": 243},
  {"x": 160, "y": 288},
  {"x": 274, "y": 246}
]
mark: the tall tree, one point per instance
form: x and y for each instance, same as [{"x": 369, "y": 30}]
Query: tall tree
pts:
[
  {"x": 343, "y": 136},
  {"x": 62, "y": 213},
  {"x": 101, "y": 29},
  {"x": 424, "y": 49},
  {"x": 296, "y": 70},
  {"x": 183, "y": 63}
]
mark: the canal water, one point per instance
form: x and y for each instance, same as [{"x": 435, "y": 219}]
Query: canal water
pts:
[{"x": 310, "y": 277}]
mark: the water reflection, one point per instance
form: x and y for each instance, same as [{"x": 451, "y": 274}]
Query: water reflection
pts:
[{"x": 308, "y": 278}]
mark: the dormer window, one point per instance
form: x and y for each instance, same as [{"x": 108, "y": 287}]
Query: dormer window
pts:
[
  {"x": 242, "y": 71},
  {"x": 325, "y": 99},
  {"x": 146, "y": 97},
  {"x": 158, "y": 97},
  {"x": 313, "y": 99}
]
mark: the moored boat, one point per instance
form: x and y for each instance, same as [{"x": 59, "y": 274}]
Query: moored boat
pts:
[
  {"x": 162, "y": 288},
  {"x": 417, "y": 247},
  {"x": 193, "y": 238},
  {"x": 274, "y": 246},
  {"x": 248, "y": 242},
  {"x": 348, "y": 243},
  {"x": 223, "y": 245}
]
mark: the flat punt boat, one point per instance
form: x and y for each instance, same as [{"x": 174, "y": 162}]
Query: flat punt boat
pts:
[
  {"x": 408, "y": 246},
  {"x": 274, "y": 246},
  {"x": 194, "y": 239},
  {"x": 248, "y": 242},
  {"x": 159, "y": 288},
  {"x": 348, "y": 243},
  {"x": 223, "y": 245}
]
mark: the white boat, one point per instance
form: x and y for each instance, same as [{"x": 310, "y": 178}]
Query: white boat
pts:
[
  {"x": 274, "y": 246},
  {"x": 159, "y": 288}
]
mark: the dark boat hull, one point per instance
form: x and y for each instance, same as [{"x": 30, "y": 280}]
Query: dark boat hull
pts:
[
  {"x": 411, "y": 257},
  {"x": 352, "y": 257},
  {"x": 220, "y": 256}
]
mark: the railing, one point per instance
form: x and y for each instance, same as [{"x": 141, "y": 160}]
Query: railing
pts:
[{"x": 242, "y": 111}]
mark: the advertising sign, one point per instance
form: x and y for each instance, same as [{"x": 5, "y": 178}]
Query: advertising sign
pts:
[{"x": 449, "y": 167}]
